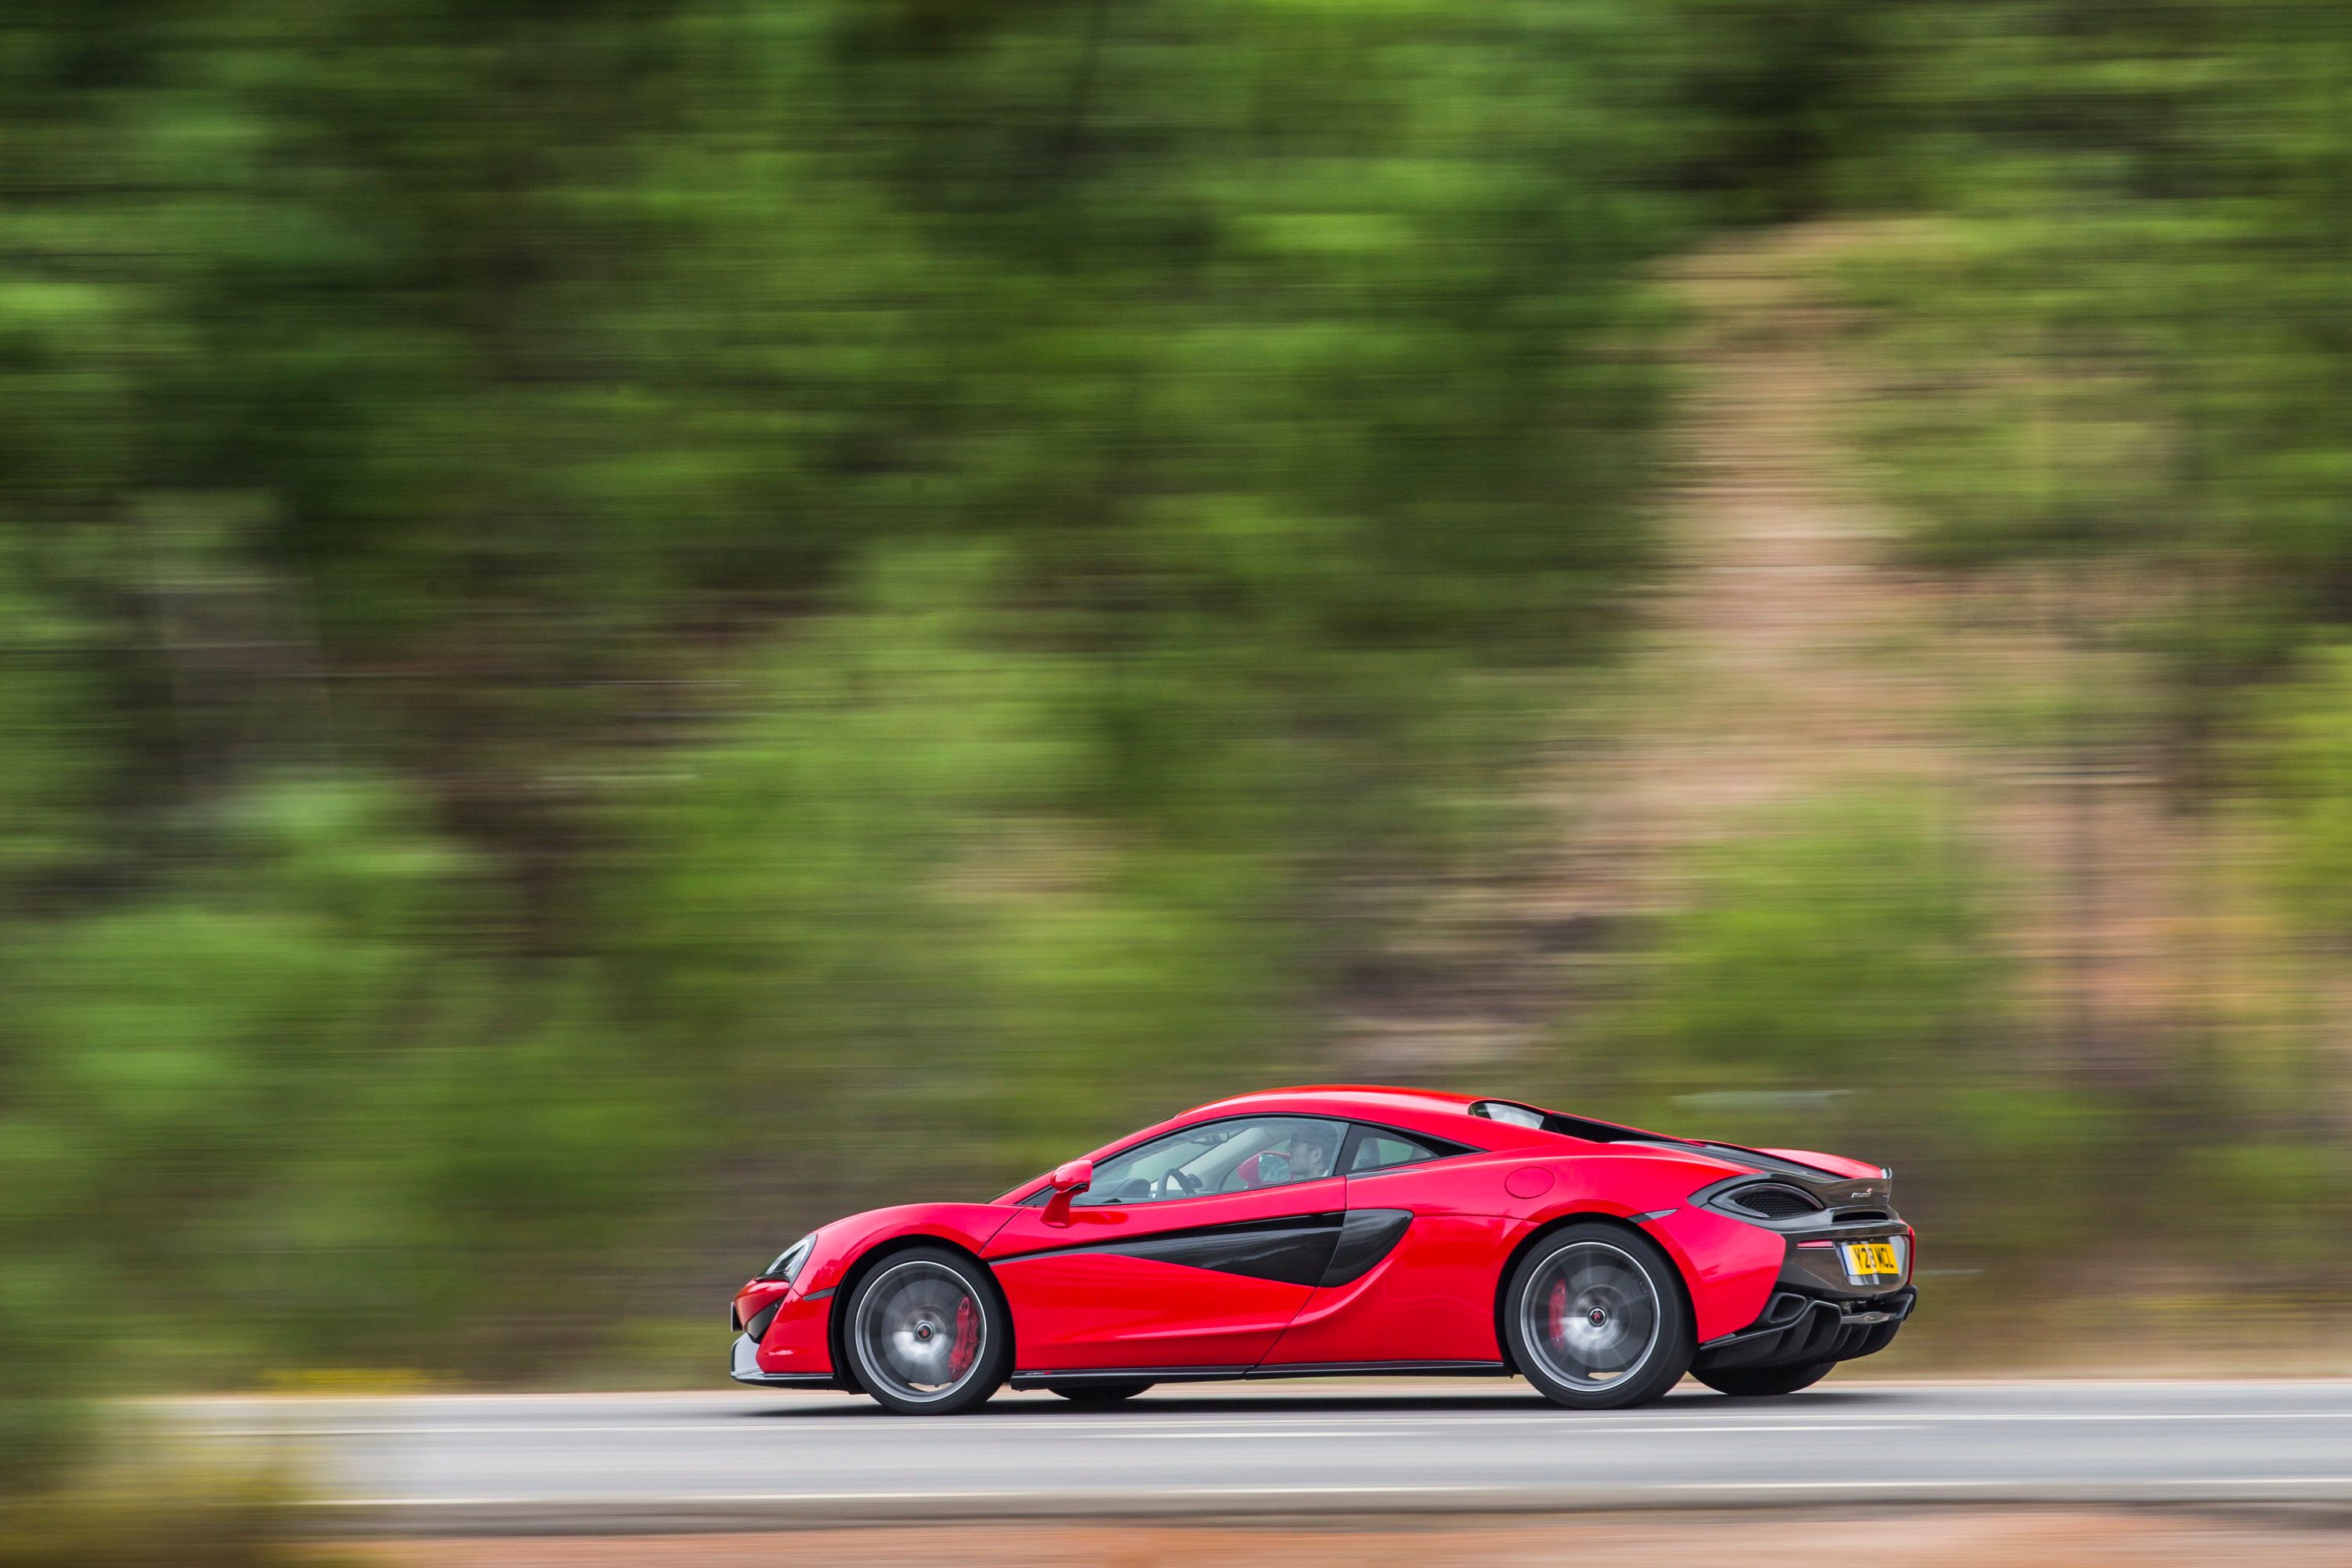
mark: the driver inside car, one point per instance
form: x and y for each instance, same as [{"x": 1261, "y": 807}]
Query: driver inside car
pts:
[{"x": 1302, "y": 1157}]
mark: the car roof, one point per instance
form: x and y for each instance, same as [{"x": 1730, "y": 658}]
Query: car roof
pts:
[
  {"x": 1435, "y": 1110},
  {"x": 1358, "y": 1100},
  {"x": 1428, "y": 1111},
  {"x": 1412, "y": 1109}
]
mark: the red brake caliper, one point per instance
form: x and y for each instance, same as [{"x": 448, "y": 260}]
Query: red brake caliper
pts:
[
  {"x": 967, "y": 1340},
  {"x": 1556, "y": 1312}
]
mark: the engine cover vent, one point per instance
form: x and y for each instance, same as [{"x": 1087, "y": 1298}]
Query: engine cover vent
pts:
[{"x": 1770, "y": 1200}]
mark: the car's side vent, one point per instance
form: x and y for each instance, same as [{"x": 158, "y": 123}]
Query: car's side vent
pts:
[{"x": 1770, "y": 1200}]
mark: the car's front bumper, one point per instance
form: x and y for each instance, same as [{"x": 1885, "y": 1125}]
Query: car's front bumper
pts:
[
  {"x": 781, "y": 1337},
  {"x": 745, "y": 1368}
]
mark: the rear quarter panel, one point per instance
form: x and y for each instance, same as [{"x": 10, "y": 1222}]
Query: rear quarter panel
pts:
[
  {"x": 1433, "y": 1297},
  {"x": 1728, "y": 1267}
]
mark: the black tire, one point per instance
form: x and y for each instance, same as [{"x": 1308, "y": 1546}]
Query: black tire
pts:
[
  {"x": 1101, "y": 1393},
  {"x": 1596, "y": 1317},
  {"x": 928, "y": 1333},
  {"x": 1762, "y": 1382}
]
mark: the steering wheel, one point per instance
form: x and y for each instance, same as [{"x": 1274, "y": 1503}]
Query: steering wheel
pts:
[{"x": 1176, "y": 1184}]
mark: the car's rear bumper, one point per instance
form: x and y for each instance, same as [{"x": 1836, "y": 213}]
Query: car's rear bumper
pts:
[
  {"x": 1798, "y": 1327},
  {"x": 1815, "y": 1264}
]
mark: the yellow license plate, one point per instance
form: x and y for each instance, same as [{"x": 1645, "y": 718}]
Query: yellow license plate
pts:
[{"x": 1872, "y": 1259}]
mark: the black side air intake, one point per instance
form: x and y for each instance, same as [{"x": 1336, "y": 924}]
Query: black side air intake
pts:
[{"x": 1366, "y": 1237}]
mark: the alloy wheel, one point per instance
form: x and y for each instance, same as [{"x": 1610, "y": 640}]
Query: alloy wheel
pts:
[
  {"x": 921, "y": 1331},
  {"x": 1590, "y": 1312}
]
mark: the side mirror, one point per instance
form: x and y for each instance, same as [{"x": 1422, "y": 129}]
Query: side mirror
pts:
[{"x": 1074, "y": 1177}]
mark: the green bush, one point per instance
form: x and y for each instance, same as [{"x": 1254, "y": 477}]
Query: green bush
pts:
[{"x": 1836, "y": 978}]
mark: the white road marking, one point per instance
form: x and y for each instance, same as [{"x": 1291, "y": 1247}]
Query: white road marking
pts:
[
  {"x": 1565, "y": 1431},
  {"x": 1092, "y": 1426}
]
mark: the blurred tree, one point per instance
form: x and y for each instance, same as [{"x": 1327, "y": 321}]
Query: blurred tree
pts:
[
  {"x": 1837, "y": 979},
  {"x": 2126, "y": 344},
  {"x": 597, "y": 591},
  {"x": 2118, "y": 353}
]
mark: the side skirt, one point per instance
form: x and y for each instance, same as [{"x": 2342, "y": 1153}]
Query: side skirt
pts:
[
  {"x": 1385, "y": 1369},
  {"x": 1024, "y": 1380}
]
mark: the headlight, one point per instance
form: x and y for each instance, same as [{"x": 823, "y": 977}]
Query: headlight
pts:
[{"x": 787, "y": 1266}]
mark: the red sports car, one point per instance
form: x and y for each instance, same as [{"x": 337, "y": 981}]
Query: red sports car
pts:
[{"x": 1312, "y": 1232}]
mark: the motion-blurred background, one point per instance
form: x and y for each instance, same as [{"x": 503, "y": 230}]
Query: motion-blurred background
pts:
[{"x": 628, "y": 624}]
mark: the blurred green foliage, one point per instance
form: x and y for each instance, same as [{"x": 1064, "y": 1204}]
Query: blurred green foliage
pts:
[
  {"x": 1851, "y": 945},
  {"x": 2302, "y": 753},
  {"x": 629, "y": 623},
  {"x": 2115, "y": 339},
  {"x": 1838, "y": 978},
  {"x": 2123, "y": 341}
]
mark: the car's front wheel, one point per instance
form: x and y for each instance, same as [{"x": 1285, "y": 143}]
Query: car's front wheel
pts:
[
  {"x": 1759, "y": 1383},
  {"x": 1596, "y": 1318},
  {"x": 928, "y": 1332}
]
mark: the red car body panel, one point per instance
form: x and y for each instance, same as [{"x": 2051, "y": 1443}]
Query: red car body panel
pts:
[
  {"x": 967, "y": 1225},
  {"x": 1730, "y": 1268},
  {"x": 1432, "y": 1299},
  {"x": 797, "y": 1342},
  {"x": 1436, "y": 1292},
  {"x": 1076, "y": 1308},
  {"x": 1091, "y": 1288}
]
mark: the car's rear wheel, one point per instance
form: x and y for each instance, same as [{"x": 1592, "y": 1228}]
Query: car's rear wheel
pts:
[
  {"x": 1596, "y": 1318},
  {"x": 928, "y": 1332},
  {"x": 1760, "y": 1382},
  {"x": 1102, "y": 1392}
]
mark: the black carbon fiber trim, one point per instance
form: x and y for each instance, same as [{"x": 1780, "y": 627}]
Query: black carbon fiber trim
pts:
[
  {"x": 1095, "y": 1376},
  {"x": 1378, "y": 1368},
  {"x": 1295, "y": 1249},
  {"x": 1366, "y": 1237},
  {"x": 787, "y": 1379},
  {"x": 1092, "y": 1375}
]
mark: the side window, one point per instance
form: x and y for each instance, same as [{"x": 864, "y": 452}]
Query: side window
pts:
[
  {"x": 1378, "y": 1149},
  {"x": 1236, "y": 1156}
]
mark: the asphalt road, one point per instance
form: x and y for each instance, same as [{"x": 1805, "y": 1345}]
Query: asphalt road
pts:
[{"x": 637, "y": 1462}]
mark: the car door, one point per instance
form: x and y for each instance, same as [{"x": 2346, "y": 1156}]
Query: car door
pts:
[
  {"x": 1412, "y": 1278},
  {"x": 1189, "y": 1251}
]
